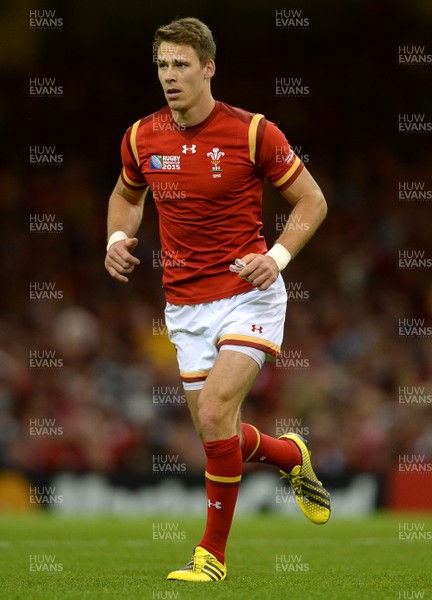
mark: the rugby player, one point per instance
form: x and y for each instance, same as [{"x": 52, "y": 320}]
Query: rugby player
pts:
[{"x": 226, "y": 299}]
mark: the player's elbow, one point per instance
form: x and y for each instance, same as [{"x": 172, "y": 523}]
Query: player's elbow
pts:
[
  {"x": 319, "y": 204},
  {"x": 323, "y": 206}
]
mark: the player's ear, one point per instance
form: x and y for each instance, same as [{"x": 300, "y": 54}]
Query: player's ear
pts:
[{"x": 210, "y": 69}]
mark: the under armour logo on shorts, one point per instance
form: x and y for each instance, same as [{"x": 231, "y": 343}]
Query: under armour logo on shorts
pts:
[{"x": 254, "y": 328}]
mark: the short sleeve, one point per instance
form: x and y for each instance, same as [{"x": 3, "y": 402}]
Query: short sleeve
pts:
[
  {"x": 276, "y": 160},
  {"x": 131, "y": 174}
]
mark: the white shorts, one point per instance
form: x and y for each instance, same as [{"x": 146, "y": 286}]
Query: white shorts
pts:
[{"x": 251, "y": 323}]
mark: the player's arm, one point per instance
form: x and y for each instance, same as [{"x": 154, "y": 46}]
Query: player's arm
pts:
[
  {"x": 125, "y": 211},
  {"x": 309, "y": 209}
]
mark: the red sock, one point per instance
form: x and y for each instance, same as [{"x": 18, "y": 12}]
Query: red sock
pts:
[
  {"x": 223, "y": 475},
  {"x": 259, "y": 447}
]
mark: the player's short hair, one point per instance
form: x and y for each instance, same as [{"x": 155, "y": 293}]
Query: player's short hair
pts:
[{"x": 189, "y": 31}]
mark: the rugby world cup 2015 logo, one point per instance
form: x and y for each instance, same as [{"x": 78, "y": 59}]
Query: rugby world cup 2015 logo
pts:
[{"x": 215, "y": 155}]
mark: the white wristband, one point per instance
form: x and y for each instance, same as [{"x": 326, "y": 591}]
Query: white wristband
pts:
[
  {"x": 116, "y": 237},
  {"x": 281, "y": 255}
]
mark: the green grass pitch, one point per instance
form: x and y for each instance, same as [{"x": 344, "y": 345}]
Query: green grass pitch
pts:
[{"x": 48, "y": 557}]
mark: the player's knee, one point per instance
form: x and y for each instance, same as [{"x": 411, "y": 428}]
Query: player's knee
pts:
[
  {"x": 214, "y": 417},
  {"x": 208, "y": 417}
]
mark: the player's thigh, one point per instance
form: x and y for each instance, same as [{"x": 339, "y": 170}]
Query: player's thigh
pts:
[
  {"x": 215, "y": 409},
  {"x": 229, "y": 381},
  {"x": 192, "y": 397}
]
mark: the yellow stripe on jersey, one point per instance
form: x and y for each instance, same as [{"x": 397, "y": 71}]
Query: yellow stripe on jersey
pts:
[
  {"x": 253, "y": 127},
  {"x": 130, "y": 182},
  {"x": 133, "y": 141},
  {"x": 235, "y": 479},
  {"x": 288, "y": 174},
  {"x": 254, "y": 341},
  {"x": 257, "y": 444}
]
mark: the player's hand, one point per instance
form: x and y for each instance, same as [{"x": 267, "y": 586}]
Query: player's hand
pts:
[
  {"x": 261, "y": 270},
  {"x": 119, "y": 260}
]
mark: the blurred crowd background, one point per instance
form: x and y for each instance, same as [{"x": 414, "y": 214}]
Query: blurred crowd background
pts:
[{"x": 116, "y": 394}]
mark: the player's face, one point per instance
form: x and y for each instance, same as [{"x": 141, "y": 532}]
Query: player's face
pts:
[{"x": 183, "y": 78}]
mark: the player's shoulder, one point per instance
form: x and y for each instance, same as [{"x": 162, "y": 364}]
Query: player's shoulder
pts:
[
  {"x": 255, "y": 125},
  {"x": 250, "y": 121},
  {"x": 240, "y": 114},
  {"x": 153, "y": 119}
]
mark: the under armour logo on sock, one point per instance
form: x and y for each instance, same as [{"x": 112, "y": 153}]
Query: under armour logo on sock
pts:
[{"x": 217, "y": 505}]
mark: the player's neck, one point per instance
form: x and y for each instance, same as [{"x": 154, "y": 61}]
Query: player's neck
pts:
[{"x": 195, "y": 114}]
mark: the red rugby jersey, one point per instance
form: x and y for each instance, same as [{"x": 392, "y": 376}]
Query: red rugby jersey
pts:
[{"x": 207, "y": 183}]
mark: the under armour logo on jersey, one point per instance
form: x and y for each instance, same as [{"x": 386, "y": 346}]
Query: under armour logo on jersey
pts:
[
  {"x": 254, "y": 328},
  {"x": 217, "y": 504},
  {"x": 189, "y": 148}
]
